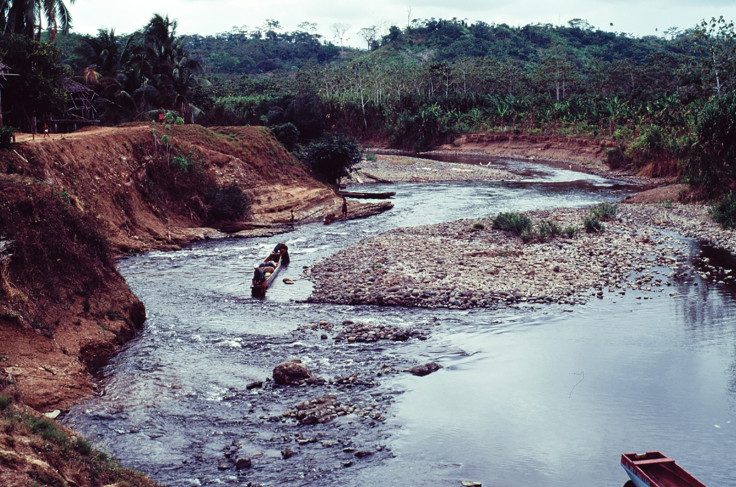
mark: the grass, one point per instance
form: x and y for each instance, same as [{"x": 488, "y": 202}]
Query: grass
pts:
[
  {"x": 542, "y": 231},
  {"x": 604, "y": 211},
  {"x": 5, "y": 401},
  {"x": 593, "y": 224},
  {"x": 514, "y": 222},
  {"x": 36, "y": 438}
]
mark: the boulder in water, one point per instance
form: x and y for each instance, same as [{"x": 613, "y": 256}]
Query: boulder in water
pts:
[{"x": 291, "y": 372}]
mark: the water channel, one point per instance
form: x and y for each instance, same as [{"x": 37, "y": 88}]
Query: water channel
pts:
[{"x": 542, "y": 396}]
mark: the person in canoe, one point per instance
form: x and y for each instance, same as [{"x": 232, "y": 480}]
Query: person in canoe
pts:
[
  {"x": 259, "y": 277},
  {"x": 282, "y": 251}
]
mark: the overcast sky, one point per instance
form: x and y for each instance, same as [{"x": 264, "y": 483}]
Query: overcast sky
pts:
[{"x": 637, "y": 17}]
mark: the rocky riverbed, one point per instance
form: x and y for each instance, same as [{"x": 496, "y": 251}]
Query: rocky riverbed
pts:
[
  {"x": 467, "y": 263},
  {"x": 403, "y": 169}
]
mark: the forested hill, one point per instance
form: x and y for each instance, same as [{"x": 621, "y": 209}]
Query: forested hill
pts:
[
  {"x": 419, "y": 86},
  {"x": 241, "y": 52}
]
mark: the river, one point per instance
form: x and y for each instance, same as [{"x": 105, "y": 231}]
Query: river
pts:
[{"x": 535, "y": 395}]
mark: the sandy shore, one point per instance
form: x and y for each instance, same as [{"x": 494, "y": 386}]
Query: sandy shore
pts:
[{"x": 467, "y": 263}]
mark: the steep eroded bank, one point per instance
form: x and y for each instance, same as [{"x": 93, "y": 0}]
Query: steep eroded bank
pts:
[{"x": 70, "y": 203}]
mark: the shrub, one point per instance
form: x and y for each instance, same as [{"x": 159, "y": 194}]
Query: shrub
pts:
[
  {"x": 82, "y": 446},
  {"x": 604, "y": 211},
  {"x": 46, "y": 429},
  {"x": 5, "y": 401},
  {"x": 593, "y": 224},
  {"x": 547, "y": 229},
  {"x": 615, "y": 158},
  {"x": 527, "y": 235},
  {"x": 712, "y": 160},
  {"x": 287, "y": 134},
  {"x": 181, "y": 163},
  {"x": 227, "y": 204},
  {"x": 331, "y": 157},
  {"x": 478, "y": 226},
  {"x": 570, "y": 231},
  {"x": 178, "y": 121},
  {"x": 513, "y": 222},
  {"x": 725, "y": 211},
  {"x": 6, "y": 136}
]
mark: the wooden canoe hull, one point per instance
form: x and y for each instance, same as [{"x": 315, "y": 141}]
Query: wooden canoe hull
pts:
[
  {"x": 259, "y": 290},
  {"x": 367, "y": 195},
  {"x": 654, "y": 469}
]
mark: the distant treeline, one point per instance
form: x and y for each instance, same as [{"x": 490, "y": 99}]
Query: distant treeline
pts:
[{"x": 420, "y": 85}]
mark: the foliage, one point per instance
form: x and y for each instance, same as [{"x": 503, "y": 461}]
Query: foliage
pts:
[
  {"x": 36, "y": 91},
  {"x": 227, "y": 204},
  {"x": 261, "y": 50},
  {"x": 49, "y": 442},
  {"x": 24, "y": 17},
  {"x": 6, "y": 136},
  {"x": 46, "y": 429},
  {"x": 604, "y": 211},
  {"x": 181, "y": 163},
  {"x": 5, "y": 401},
  {"x": 331, "y": 157},
  {"x": 513, "y": 222},
  {"x": 82, "y": 446},
  {"x": 135, "y": 75},
  {"x": 287, "y": 134},
  {"x": 547, "y": 229},
  {"x": 55, "y": 244},
  {"x": 570, "y": 231},
  {"x": 712, "y": 159},
  {"x": 725, "y": 211},
  {"x": 593, "y": 225}
]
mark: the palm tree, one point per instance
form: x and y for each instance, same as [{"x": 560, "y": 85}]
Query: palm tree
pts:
[
  {"x": 172, "y": 71},
  {"x": 26, "y": 17}
]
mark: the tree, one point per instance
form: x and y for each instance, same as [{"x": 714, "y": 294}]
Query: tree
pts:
[
  {"x": 173, "y": 72},
  {"x": 339, "y": 30},
  {"x": 331, "y": 157},
  {"x": 36, "y": 91},
  {"x": 25, "y": 17},
  {"x": 717, "y": 41}
]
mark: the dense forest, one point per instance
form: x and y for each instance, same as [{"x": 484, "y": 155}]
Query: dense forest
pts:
[{"x": 669, "y": 99}]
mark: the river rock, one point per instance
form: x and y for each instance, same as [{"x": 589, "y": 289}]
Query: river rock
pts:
[
  {"x": 318, "y": 410},
  {"x": 426, "y": 369},
  {"x": 291, "y": 372},
  {"x": 243, "y": 463}
]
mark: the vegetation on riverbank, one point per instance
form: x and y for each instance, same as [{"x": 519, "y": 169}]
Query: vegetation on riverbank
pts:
[
  {"x": 659, "y": 99},
  {"x": 35, "y": 450}
]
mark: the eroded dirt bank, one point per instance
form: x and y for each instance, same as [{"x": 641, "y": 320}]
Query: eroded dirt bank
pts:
[{"x": 69, "y": 204}]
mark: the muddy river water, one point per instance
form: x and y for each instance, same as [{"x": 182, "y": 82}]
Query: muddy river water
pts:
[{"x": 527, "y": 396}]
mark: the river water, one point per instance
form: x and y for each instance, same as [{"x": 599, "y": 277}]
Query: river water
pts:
[{"x": 535, "y": 396}]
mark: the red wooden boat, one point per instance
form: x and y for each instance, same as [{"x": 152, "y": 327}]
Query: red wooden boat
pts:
[{"x": 654, "y": 469}]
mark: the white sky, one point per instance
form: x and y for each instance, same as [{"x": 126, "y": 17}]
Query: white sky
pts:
[{"x": 205, "y": 17}]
